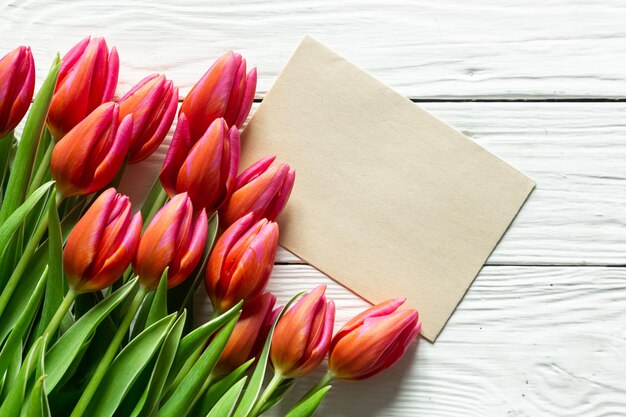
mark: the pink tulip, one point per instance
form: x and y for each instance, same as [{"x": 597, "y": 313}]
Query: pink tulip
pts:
[
  {"x": 102, "y": 244},
  {"x": 224, "y": 91},
  {"x": 249, "y": 334},
  {"x": 17, "y": 83},
  {"x": 263, "y": 190},
  {"x": 206, "y": 170},
  {"x": 87, "y": 78},
  {"x": 91, "y": 154},
  {"x": 152, "y": 102},
  {"x": 373, "y": 341},
  {"x": 175, "y": 238},
  {"x": 240, "y": 264},
  {"x": 302, "y": 336}
]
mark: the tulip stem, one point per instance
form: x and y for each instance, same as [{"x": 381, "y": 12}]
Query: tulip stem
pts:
[
  {"x": 276, "y": 380},
  {"x": 323, "y": 382},
  {"x": 56, "y": 320},
  {"x": 109, "y": 355}
]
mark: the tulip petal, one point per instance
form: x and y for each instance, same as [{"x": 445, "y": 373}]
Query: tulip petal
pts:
[
  {"x": 82, "y": 243},
  {"x": 208, "y": 99},
  {"x": 248, "y": 98},
  {"x": 158, "y": 243},
  {"x": 292, "y": 333},
  {"x": 236, "y": 93},
  {"x": 280, "y": 199},
  {"x": 112, "y": 75},
  {"x": 254, "y": 171},
  {"x": 161, "y": 124},
  {"x": 382, "y": 309},
  {"x": 192, "y": 252},
  {"x": 119, "y": 256},
  {"x": 199, "y": 175},
  {"x": 111, "y": 164},
  {"x": 221, "y": 250},
  {"x": 176, "y": 155}
]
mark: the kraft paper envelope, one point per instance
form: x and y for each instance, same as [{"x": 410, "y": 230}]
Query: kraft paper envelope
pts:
[{"x": 388, "y": 200}]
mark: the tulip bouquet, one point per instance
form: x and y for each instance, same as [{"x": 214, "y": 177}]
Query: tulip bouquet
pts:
[{"x": 96, "y": 293}]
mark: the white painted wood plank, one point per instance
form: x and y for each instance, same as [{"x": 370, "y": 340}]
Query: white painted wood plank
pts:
[
  {"x": 489, "y": 48},
  {"x": 525, "y": 341}
]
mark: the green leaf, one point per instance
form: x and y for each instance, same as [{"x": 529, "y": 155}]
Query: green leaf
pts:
[
  {"x": 18, "y": 333},
  {"x": 37, "y": 403},
  {"x": 253, "y": 389},
  {"x": 15, "y": 399},
  {"x": 142, "y": 315},
  {"x": 193, "y": 385},
  {"x": 226, "y": 404},
  {"x": 217, "y": 389},
  {"x": 28, "y": 144},
  {"x": 21, "y": 296},
  {"x": 8, "y": 228},
  {"x": 192, "y": 345},
  {"x": 56, "y": 283},
  {"x": 65, "y": 350},
  {"x": 126, "y": 368},
  {"x": 12, "y": 373},
  {"x": 308, "y": 406},
  {"x": 158, "y": 308},
  {"x": 150, "y": 400}
]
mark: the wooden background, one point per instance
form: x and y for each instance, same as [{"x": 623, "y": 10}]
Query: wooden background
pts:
[{"x": 542, "y": 84}]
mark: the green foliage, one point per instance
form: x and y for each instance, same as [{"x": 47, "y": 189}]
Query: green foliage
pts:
[
  {"x": 66, "y": 349},
  {"x": 308, "y": 406},
  {"x": 126, "y": 367}
]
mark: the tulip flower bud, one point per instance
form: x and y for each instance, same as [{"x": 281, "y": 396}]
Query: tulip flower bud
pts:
[
  {"x": 152, "y": 102},
  {"x": 87, "y": 78},
  {"x": 206, "y": 170},
  {"x": 175, "y": 238},
  {"x": 241, "y": 262},
  {"x": 91, "y": 154},
  {"x": 302, "y": 336},
  {"x": 102, "y": 244},
  {"x": 249, "y": 335},
  {"x": 224, "y": 91},
  {"x": 263, "y": 190},
  {"x": 17, "y": 83},
  {"x": 372, "y": 341}
]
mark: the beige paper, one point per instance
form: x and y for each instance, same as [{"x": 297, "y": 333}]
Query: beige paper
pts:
[{"x": 388, "y": 200}]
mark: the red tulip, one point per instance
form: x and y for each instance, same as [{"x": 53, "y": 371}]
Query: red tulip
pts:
[
  {"x": 224, "y": 91},
  {"x": 263, "y": 190},
  {"x": 302, "y": 336},
  {"x": 373, "y": 341},
  {"x": 249, "y": 335},
  {"x": 240, "y": 264},
  {"x": 102, "y": 244},
  {"x": 91, "y": 154},
  {"x": 175, "y": 238},
  {"x": 206, "y": 170},
  {"x": 152, "y": 102},
  {"x": 87, "y": 78},
  {"x": 17, "y": 83}
]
